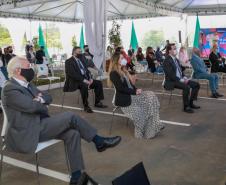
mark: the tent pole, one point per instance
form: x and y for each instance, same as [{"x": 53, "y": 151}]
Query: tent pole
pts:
[{"x": 104, "y": 36}]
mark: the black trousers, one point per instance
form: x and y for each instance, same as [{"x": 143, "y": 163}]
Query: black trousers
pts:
[
  {"x": 222, "y": 69},
  {"x": 190, "y": 91},
  {"x": 98, "y": 90}
]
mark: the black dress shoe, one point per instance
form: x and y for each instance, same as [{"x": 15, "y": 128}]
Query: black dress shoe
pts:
[
  {"x": 88, "y": 109},
  {"x": 108, "y": 143},
  {"x": 83, "y": 179},
  {"x": 193, "y": 106},
  {"x": 219, "y": 95},
  {"x": 100, "y": 105},
  {"x": 214, "y": 95},
  {"x": 188, "y": 110}
]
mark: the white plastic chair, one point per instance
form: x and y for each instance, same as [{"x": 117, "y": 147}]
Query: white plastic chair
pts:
[
  {"x": 113, "y": 112},
  {"x": 164, "y": 89},
  {"x": 200, "y": 81},
  {"x": 41, "y": 146},
  {"x": 43, "y": 73}
]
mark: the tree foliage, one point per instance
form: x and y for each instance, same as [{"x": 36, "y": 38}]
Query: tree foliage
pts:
[
  {"x": 53, "y": 36},
  {"x": 114, "y": 35},
  {"x": 153, "y": 39},
  {"x": 74, "y": 42},
  {"x": 5, "y": 38}
]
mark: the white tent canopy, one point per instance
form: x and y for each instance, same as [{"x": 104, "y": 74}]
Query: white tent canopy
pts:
[{"x": 72, "y": 11}]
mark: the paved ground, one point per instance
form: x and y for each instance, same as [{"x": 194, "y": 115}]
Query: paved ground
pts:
[{"x": 180, "y": 155}]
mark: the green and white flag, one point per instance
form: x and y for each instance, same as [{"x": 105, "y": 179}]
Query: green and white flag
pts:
[{"x": 133, "y": 41}]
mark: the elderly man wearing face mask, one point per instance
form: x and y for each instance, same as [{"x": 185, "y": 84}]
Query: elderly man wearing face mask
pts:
[
  {"x": 142, "y": 107},
  {"x": 201, "y": 72},
  {"x": 174, "y": 78},
  {"x": 79, "y": 77}
]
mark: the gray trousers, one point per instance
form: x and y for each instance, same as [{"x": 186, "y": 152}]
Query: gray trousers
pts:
[{"x": 70, "y": 128}]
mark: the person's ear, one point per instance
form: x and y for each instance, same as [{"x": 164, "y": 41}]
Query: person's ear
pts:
[{"x": 18, "y": 70}]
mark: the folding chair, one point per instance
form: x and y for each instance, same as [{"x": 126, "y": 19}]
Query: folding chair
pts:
[
  {"x": 41, "y": 146},
  {"x": 113, "y": 112},
  {"x": 164, "y": 89},
  {"x": 200, "y": 81},
  {"x": 43, "y": 74}
]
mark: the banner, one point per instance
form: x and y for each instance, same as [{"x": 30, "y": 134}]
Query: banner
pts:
[{"x": 210, "y": 36}]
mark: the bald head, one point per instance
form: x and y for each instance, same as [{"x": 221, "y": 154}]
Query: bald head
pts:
[{"x": 196, "y": 51}]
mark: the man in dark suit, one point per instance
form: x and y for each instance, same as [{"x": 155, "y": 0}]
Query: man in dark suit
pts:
[
  {"x": 39, "y": 55},
  {"x": 79, "y": 77},
  {"x": 2, "y": 58},
  {"x": 29, "y": 122},
  {"x": 9, "y": 54},
  {"x": 174, "y": 78}
]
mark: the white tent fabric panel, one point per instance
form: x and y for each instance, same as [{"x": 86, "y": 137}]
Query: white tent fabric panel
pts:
[
  {"x": 94, "y": 28},
  {"x": 72, "y": 10}
]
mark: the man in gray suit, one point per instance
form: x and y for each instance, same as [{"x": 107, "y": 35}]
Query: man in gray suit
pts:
[{"x": 29, "y": 121}]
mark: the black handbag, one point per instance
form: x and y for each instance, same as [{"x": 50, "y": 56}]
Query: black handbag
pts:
[
  {"x": 85, "y": 179},
  {"x": 135, "y": 176}
]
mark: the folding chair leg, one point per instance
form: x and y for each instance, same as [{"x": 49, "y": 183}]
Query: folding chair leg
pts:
[
  {"x": 62, "y": 102},
  {"x": 37, "y": 168},
  {"x": 67, "y": 161},
  {"x": 153, "y": 76},
  {"x": 78, "y": 99},
  {"x": 1, "y": 164},
  {"x": 112, "y": 119},
  {"x": 127, "y": 122},
  {"x": 49, "y": 85},
  {"x": 171, "y": 93},
  {"x": 93, "y": 97}
]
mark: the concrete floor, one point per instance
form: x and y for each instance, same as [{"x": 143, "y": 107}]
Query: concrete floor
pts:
[{"x": 180, "y": 155}]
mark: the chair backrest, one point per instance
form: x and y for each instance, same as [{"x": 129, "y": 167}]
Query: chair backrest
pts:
[
  {"x": 5, "y": 123},
  {"x": 42, "y": 70}
]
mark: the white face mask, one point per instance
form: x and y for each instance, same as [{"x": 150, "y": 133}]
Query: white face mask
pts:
[{"x": 123, "y": 62}]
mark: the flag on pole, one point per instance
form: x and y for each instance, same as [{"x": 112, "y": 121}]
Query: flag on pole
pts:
[
  {"x": 82, "y": 41},
  {"x": 133, "y": 41},
  {"x": 197, "y": 33},
  {"x": 41, "y": 40}
]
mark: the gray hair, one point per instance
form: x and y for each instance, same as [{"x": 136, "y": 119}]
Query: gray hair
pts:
[{"x": 14, "y": 63}]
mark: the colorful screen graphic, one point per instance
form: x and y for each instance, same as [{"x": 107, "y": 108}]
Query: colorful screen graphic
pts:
[{"x": 208, "y": 37}]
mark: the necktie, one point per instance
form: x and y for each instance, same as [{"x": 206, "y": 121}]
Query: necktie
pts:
[
  {"x": 82, "y": 68},
  {"x": 178, "y": 67}
]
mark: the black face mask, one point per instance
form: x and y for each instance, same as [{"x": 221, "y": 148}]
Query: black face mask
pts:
[
  {"x": 28, "y": 74},
  {"x": 79, "y": 55},
  {"x": 87, "y": 50}
]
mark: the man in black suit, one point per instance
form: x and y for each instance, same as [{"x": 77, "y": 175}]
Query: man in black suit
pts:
[
  {"x": 9, "y": 54},
  {"x": 39, "y": 55},
  {"x": 2, "y": 58},
  {"x": 174, "y": 78},
  {"x": 79, "y": 77}
]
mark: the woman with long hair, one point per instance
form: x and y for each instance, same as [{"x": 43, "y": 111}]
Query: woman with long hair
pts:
[{"x": 140, "y": 106}]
